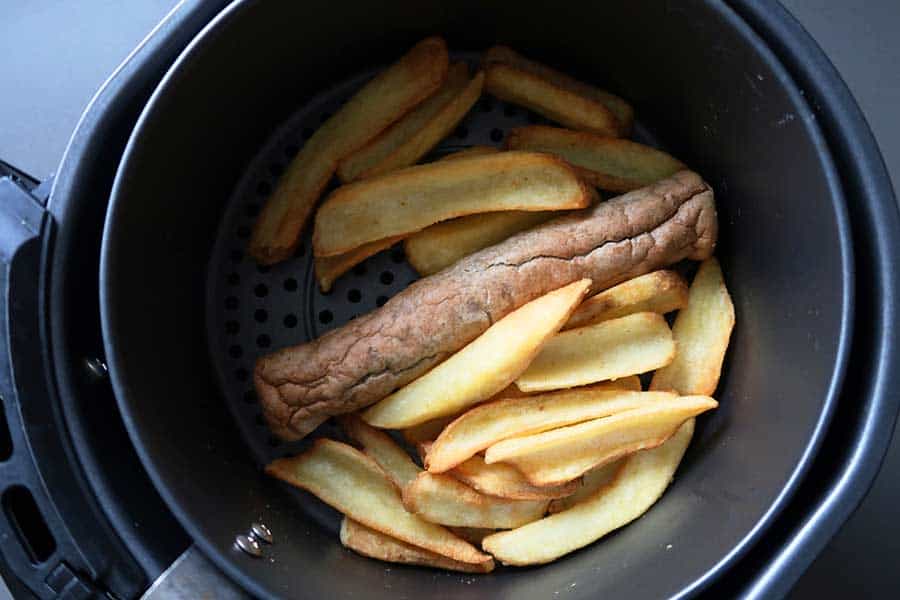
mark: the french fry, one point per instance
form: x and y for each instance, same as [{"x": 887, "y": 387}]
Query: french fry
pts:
[
  {"x": 374, "y": 544},
  {"x": 427, "y": 431},
  {"x": 611, "y": 349},
  {"x": 329, "y": 268},
  {"x": 560, "y": 455},
  {"x": 482, "y": 368},
  {"x": 442, "y": 244},
  {"x": 383, "y": 100},
  {"x": 503, "y": 481},
  {"x": 471, "y": 151},
  {"x": 410, "y": 199},
  {"x": 592, "y": 481},
  {"x": 413, "y": 136},
  {"x": 621, "y": 109},
  {"x": 702, "y": 331},
  {"x": 486, "y": 425},
  {"x": 444, "y": 500},
  {"x": 613, "y": 164},
  {"x": 642, "y": 480},
  {"x": 354, "y": 484},
  {"x": 473, "y": 535},
  {"x": 660, "y": 292},
  {"x": 393, "y": 460}
]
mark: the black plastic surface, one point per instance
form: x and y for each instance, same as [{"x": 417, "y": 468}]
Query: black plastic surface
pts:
[{"x": 743, "y": 125}]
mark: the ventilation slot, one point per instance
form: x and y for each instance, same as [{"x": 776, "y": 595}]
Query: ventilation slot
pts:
[{"x": 26, "y": 519}]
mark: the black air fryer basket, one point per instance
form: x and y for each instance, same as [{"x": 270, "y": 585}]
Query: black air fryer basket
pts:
[{"x": 133, "y": 430}]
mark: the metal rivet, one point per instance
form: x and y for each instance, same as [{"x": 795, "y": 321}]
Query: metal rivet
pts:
[
  {"x": 261, "y": 532},
  {"x": 248, "y": 545},
  {"x": 96, "y": 368}
]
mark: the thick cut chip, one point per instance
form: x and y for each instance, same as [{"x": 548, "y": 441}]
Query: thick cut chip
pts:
[
  {"x": 621, "y": 109},
  {"x": 483, "y": 367},
  {"x": 374, "y": 544},
  {"x": 640, "y": 483},
  {"x": 427, "y": 431},
  {"x": 442, "y": 244},
  {"x": 393, "y": 460},
  {"x": 410, "y": 199},
  {"x": 413, "y": 136},
  {"x": 503, "y": 481},
  {"x": 473, "y": 535},
  {"x": 592, "y": 481},
  {"x": 607, "y": 350},
  {"x": 379, "y": 103},
  {"x": 351, "y": 482},
  {"x": 560, "y": 455},
  {"x": 442, "y": 499},
  {"x": 485, "y": 425},
  {"x": 660, "y": 292},
  {"x": 701, "y": 331},
  {"x": 329, "y": 268},
  {"x": 613, "y": 164},
  {"x": 471, "y": 151}
]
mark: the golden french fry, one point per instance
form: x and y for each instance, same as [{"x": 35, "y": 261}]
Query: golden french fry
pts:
[
  {"x": 618, "y": 165},
  {"x": 393, "y": 460},
  {"x": 592, "y": 481},
  {"x": 383, "y": 100},
  {"x": 483, "y": 367},
  {"x": 410, "y": 199},
  {"x": 471, "y": 151},
  {"x": 642, "y": 480},
  {"x": 660, "y": 292},
  {"x": 560, "y": 455},
  {"x": 611, "y": 349},
  {"x": 427, "y": 431},
  {"x": 329, "y": 268},
  {"x": 354, "y": 484},
  {"x": 486, "y": 425},
  {"x": 442, "y": 244},
  {"x": 702, "y": 331},
  {"x": 442, "y": 499},
  {"x": 374, "y": 544},
  {"x": 503, "y": 481},
  {"x": 473, "y": 535},
  {"x": 413, "y": 136},
  {"x": 621, "y": 109}
]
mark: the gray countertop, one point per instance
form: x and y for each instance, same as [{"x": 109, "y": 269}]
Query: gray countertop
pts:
[{"x": 58, "y": 53}]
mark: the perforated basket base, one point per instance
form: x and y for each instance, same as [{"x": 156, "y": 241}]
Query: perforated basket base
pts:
[{"x": 254, "y": 310}]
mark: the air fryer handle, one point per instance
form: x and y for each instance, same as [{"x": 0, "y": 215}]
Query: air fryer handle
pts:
[{"x": 38, "y": 547}]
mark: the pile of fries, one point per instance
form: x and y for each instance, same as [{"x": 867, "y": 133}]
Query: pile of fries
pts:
[{"x": 537, "y": 438}]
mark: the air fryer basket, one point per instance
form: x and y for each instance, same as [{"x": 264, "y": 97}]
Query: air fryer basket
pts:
[{"x": 185, "y": 196}]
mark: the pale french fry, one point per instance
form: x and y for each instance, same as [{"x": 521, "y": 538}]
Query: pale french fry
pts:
[
  {"x": 354, "y": 484},
  {"x": 557, "y": 104},
  {"x": 410, "y": 199},
  {"x": 483, "y": 367},
  {"x": 329, "y": 268},
  {"x": 374, "y": 544},
  {"x": 611, "y": 349},
  {"x": 383, "y": 100},
  {"x": 442, "y": 244},
  {"x": 592, "y": 481},
  {"x": 444, "y": 500},
  {"x": 413, "y": 136},
  {"x": 393, "y": 460},
  {"x": 640, "y": 483},
  {"x": 504, "y": 481},
  {"x": 560, "y": 455},
  {"x": 427, "y": 431},
  {"x": 660, "y": 292},
  {"x": 613, "y": 164},
  {"x": 473, "y": 535},
  {"x": 471, "y": 151},
  {"x": 486, "y": 425},
  {"x": 701, "y": 331},
  {"x": 622, "y": 110}
]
